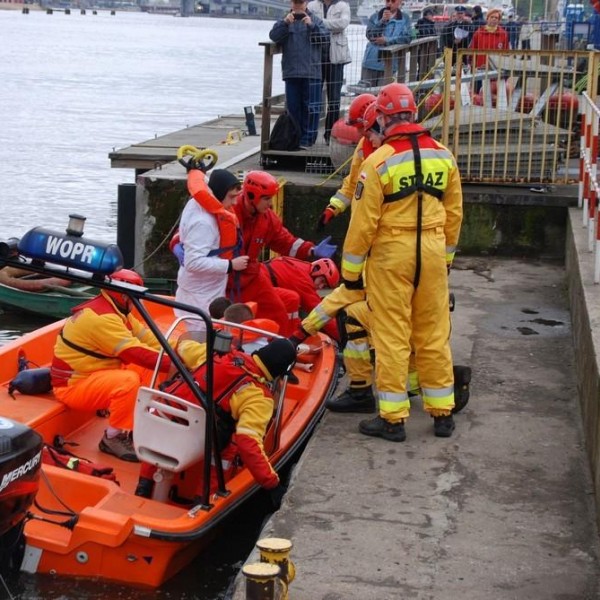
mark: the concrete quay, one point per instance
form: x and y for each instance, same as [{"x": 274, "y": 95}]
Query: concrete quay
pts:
[{"x": 505, "y": 509}]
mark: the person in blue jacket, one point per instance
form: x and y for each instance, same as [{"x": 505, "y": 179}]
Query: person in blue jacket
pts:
[
  {"x": 301, "y": 35},
  {"x": 386, "y": 27}
]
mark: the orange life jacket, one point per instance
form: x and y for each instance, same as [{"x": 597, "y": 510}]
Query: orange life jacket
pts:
[{"x": 229, "y": 228}]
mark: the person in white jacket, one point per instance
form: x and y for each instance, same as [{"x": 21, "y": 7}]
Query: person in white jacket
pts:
[
  {"x": 335, "y": 15},
  {"x": 203, "y": 275}
]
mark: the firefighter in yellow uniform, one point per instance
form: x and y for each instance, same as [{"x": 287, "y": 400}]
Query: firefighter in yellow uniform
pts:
[
  {"x": 361, "y": 116},
  {"x": 406, "y": 217},
  {"x": 358, "y": 396}
]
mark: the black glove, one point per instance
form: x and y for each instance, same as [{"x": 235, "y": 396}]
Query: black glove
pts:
[
  {"x": 298, "y": 337},
  {"x": 276, "y": 494},
  {"x": 354, "y": 285}
]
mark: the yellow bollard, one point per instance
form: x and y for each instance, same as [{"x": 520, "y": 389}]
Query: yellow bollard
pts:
[
  {"x": 261, "y": 581},
  {"x": 277, "y": 551}
]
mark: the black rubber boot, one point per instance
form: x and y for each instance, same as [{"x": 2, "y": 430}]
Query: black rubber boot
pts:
[
  {"x": 379, "y": 427},
  {"x": 462, "y": 378},
  {"x": 293, "y": 378},
  {"x": 144, "y": 487},
  {"x": 443, "y": 426},
  {"x": 353, "y": 400}
]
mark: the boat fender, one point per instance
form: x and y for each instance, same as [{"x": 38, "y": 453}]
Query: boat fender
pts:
[
  {"x": 59, "y": 457},
  {"x": 31, "y": 381}
]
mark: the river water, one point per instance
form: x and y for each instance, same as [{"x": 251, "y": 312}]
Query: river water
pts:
[{"x": 72, "y": 88}]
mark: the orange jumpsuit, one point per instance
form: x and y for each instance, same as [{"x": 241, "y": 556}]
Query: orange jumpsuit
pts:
[{"x": 88, "y": 367}]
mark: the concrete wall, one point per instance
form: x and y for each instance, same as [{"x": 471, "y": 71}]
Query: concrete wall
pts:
[
  {"x": 501, "y": 222},
  {"x": 585, "y": 319}
]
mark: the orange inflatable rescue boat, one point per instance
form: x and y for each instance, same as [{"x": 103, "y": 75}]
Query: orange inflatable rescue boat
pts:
[{"x": 86, "y": 520}]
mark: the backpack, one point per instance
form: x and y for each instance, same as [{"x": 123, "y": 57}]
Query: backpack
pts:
[{"x": 286, "y": 133}]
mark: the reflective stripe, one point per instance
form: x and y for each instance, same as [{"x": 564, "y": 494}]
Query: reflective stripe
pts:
[
  {"x": 400, "y": 170},
  {"x": 340, "y": 201},
  {"x": 441, "y": 398},
  {"x": 353, "y": 263},
  {"x": 293, "y": 315},
  {"x": 449, "y": 258},
  {"x": 391, "y": 402},
  {"x": 318, "y": 318},
  {"x": 295, "y": 247},
  {"x": 360, "y": 351}
]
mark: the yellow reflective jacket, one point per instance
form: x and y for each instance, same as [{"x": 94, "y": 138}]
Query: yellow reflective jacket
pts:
[
  {"x": 342, "y": 199},
  {"x": 385, "y": 198},
  {"x": 105, "y": 333},
  {"x": 340, "y": 298}
]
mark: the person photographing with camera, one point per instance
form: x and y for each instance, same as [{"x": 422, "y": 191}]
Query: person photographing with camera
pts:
[{"x": 301, "y": 34}]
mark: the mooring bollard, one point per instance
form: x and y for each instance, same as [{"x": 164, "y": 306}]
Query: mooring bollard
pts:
[
  {"x": 25, "y": 10},
  {"x": 82, "y": 11},
  {"x": 276, "y": 551},
  {"x": 67, "y": 11},
  {"x": 261, "y": 581},
  {"x": 49, "y": 11}
]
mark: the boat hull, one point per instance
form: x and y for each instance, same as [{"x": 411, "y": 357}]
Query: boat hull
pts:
[{"x": 103, "y": 530}]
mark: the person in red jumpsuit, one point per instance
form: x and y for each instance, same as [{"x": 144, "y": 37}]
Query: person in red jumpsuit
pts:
[
  {"x": 262, "y": 228},
  {"x": 305, "y": 278}
]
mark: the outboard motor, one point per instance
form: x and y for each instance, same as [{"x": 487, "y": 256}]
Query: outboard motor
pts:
[{"x": 20, "y": 462}]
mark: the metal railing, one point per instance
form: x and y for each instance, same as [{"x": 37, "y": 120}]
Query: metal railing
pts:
[
  {"x": 589, "y": 191},
  {"x": 513, "y": 119}
]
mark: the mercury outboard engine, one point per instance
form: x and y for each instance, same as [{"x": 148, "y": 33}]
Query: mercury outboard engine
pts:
[{"x": 20, "y": 462}]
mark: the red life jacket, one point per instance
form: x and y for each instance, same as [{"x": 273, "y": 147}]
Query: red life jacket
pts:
[
  {"x": 231, "y": 371},
  {"x": 229, "y": 228},
  {"x": 59, "y": 457}
]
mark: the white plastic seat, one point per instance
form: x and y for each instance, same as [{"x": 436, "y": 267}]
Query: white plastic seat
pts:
[{"x": 168, "y": 432}]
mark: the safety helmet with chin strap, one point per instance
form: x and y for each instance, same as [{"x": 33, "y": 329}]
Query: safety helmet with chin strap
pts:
[
  {"x": 327, "y": 268},
  {"x": 357, "y": 108},
  {"x": 258, "y": 184},
  {"x": 395, "y": 98},
  {"x": 126, "y": 276}
]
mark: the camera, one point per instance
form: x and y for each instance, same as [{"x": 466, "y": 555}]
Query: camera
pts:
[{"x": 299, "y": 16}]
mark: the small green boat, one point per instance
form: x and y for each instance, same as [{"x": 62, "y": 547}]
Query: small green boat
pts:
[{"x": 57, "y": 301}]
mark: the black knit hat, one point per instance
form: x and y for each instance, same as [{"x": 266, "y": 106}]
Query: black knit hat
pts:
[
  {"x": 221, "y": 181},
  {"x": 276, "y": 358}
]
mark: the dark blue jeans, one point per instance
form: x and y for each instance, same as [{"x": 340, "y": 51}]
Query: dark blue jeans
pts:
[
  {"x": 303, "y": 99},
  {"x": 333, "y": 77}
]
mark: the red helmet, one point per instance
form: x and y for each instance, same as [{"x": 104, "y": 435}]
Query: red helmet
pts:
[
  {"x": 259, "y": 183},
  {"x": 370, "y": 117},
  {"x": 328, "y": 269},
  {"x": 357, "y": 109},
  {"x": 396, "y": 98},
  {"x": 128, "y": 276}
]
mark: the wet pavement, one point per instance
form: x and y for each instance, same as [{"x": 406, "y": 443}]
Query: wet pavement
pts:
[{"x": 504, "y": 509}]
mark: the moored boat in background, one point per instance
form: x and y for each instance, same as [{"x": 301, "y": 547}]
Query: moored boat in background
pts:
[{"x": 57, "y": 301}]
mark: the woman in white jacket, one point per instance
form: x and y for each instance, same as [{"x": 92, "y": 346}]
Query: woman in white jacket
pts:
[
  {"x": 335, "y": 15},
  {"x": 202, "y": 276}
]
